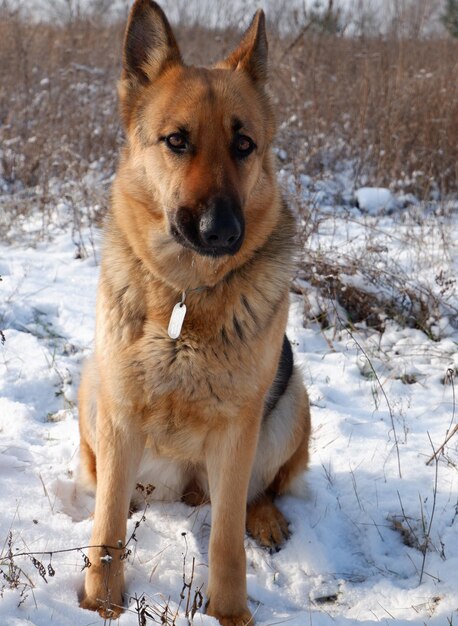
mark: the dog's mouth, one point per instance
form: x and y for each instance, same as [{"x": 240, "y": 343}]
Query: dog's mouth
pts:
[{"x": 216, "y": 231}]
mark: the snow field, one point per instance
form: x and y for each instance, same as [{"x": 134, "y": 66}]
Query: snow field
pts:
[{"x": 359, "y": 529}]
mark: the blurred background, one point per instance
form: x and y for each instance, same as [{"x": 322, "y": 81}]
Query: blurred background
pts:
[{"x": 374, "y": 82}]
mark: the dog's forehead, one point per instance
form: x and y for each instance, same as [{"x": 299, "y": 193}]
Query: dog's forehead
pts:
[{"x": 194, "y": 93}]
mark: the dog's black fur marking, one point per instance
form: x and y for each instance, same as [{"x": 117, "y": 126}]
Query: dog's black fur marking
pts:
[{"x": 281, "y": 380}]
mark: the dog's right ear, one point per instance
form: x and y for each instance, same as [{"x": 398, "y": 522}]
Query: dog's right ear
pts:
[
  {"x": 149, "y": 48},
  {"x": 149, "y": 43}
]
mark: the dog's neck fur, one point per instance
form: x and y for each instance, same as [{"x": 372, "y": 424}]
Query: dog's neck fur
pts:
[{"x": 266, "y": 275}]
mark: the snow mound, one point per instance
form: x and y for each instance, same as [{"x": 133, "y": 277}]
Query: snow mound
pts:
[{"x": 375, "y": 200}]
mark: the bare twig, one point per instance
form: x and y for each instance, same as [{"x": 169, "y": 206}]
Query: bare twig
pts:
[
  {"x": 433, "y": 510},
  {"x": 390, "y": 410},
  {"x": 120, "y": 547},
  {"x": 297, "y": 39},
  {"x": 450, "y": 374}
]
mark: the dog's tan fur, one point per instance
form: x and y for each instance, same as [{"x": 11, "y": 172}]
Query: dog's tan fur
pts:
[{"x": 188, "y": 414}]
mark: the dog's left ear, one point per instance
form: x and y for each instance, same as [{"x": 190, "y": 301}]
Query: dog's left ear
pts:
[{"x": 251, "y": 53}]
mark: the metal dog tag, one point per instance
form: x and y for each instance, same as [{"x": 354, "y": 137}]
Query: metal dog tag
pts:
[{"x": 176, "y": 320}]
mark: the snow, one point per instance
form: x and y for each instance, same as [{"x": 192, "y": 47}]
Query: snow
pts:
[
  {"x": 374, "y": 199},
  {"x": 359, "y": 517}
]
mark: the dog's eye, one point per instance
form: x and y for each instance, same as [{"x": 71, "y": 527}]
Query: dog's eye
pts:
[
  {"x": 243, "y": 146},
  {"x": 177, "y": 142}
]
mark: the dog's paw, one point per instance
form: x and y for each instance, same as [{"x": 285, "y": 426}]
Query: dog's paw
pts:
[
  {"x": 107, "y": 610},
  {"x": 266, "y": 524},
  {"x": 103, "y": 593},
  {"x": 244, "y": 619}
]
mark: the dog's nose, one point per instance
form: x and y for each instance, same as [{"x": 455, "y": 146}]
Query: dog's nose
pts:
[{"x": 221, "y": 225}]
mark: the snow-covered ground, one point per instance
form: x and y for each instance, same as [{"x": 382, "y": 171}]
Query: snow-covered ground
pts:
[{"x": 374, "y": 527}]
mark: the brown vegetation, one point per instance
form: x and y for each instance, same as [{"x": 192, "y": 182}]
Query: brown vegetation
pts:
[
  {"x": 389, "y": 105},
  {"x": 392, "y": 105}
]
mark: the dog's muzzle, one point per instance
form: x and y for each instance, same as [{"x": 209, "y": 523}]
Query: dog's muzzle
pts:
[{"x": 216, "y": 230}]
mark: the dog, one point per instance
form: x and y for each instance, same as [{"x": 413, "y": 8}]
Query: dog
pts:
[{"x": 192, "y": 386}]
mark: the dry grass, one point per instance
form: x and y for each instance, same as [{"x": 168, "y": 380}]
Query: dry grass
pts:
[
  {"x": 58, "y": 114},
  {"x": 389, "y": 106},
  {"x": 148, "y": 610},
  {"x": 373, "y": 280}
]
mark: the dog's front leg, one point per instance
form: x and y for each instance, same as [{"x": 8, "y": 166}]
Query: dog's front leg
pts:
[
  {"x": 120, "y": 444},
  {"x": 230, "y": 459}
]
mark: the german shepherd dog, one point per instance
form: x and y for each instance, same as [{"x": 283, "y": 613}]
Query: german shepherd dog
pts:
[{"x": 192, "y": 386}]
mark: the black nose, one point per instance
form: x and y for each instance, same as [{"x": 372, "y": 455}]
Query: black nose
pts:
[{"x": 221, "y": 226}]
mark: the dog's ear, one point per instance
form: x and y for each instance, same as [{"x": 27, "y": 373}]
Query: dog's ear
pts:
[
  {"x": 251, "y": 53},
  {"x": 149, "y": 43},
  {"x": 149, "y": 48}
]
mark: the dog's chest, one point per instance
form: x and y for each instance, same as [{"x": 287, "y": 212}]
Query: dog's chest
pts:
[
  {"x": 187, "y": 368},
  {"x": 187, "y": 388}
]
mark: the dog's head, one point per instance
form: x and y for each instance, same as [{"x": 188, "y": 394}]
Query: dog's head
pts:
[{"x": 198, "y": 155}]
